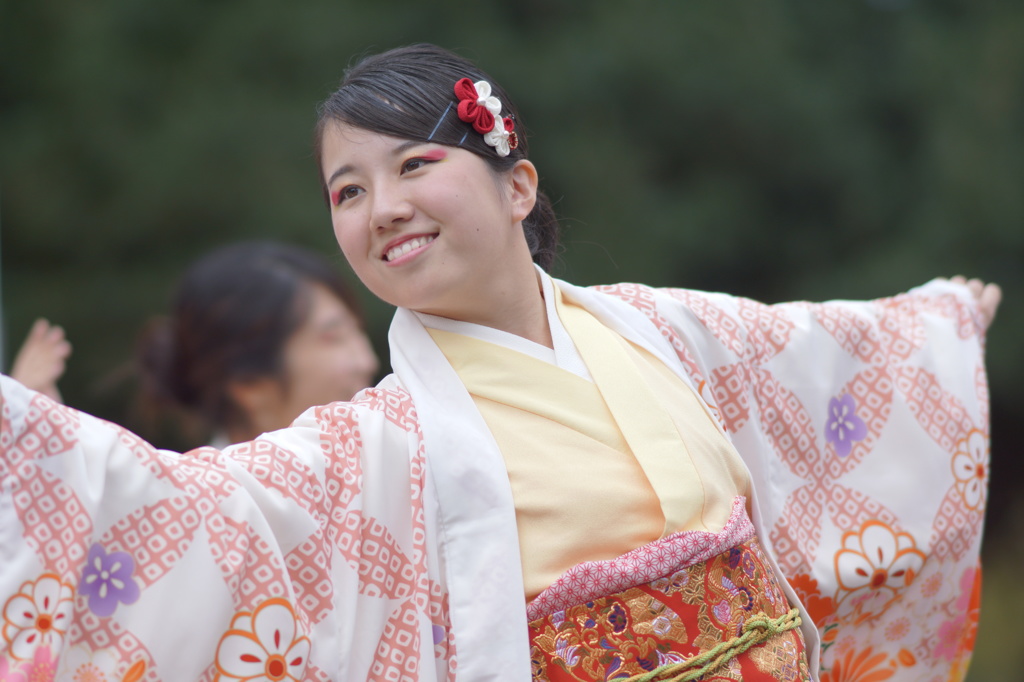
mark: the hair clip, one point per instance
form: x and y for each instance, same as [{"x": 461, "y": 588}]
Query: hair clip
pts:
[{"x": 481, "y": 109}]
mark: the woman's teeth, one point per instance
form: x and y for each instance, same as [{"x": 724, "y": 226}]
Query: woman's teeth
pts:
[{"x": 406, "y": 247}]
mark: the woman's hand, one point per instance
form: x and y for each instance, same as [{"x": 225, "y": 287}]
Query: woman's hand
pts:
[
  {"x": 40, "y": 360},
  {"x": 988, "y": 296}
]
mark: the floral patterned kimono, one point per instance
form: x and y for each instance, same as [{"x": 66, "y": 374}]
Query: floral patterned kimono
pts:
[{"x": 378, "y": 539}]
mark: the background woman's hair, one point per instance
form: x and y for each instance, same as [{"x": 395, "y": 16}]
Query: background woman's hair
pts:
[
  {"x": 408, "y": 92},
  {"x": 234, "y": 310}
]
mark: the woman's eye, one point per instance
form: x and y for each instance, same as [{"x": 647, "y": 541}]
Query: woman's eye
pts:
[
  {"x": 347, "y": 192},
  {"x": 413, "y": 164},
  {"x": 428, "y": 157}
]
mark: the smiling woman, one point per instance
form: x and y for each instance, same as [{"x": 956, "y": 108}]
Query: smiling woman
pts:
[
  {"x": 432, "y": 229},
  {"x": 555, "y": 482}
]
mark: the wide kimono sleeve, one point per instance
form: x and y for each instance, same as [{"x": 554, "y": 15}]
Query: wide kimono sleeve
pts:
[
  {"x": 298, "y": 556},
  {"x": 865, "y": 428}
]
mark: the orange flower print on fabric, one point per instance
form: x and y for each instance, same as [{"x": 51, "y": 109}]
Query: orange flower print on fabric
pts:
[
  {"x": 970, "y": 467},
  {"x": 860, "y": 666},
  {"x": 898, "y": 629},
  {"x": 37, "y": 616},
  {"x": 821, "y": 609},
  {"x": 264, "y": 645},
  {"x": 875, "y": 564}
]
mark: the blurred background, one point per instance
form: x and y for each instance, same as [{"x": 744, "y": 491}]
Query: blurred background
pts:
[{"x": 799, "y": 150}]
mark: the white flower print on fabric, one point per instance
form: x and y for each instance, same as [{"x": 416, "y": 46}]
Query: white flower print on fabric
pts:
[
  {"x": 873, "y": 566},
  {"x": 82, "y": 664},
  {"x": 37, "y": 616},
  {"x": 970, "y": 467},
  {"x": 265, "y": 645}
]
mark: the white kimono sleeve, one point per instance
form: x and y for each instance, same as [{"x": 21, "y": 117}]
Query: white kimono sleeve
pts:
[
  {"x": 300, "y": 555},
  {"x": 865, "y": 427}
]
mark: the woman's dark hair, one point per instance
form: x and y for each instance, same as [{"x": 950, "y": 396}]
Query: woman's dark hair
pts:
[
  {"x": 234, "y": 310},
  {"x": 409, "y": 93}
]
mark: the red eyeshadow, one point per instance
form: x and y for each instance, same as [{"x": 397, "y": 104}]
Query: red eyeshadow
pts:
[{"x": 434, "y": 155}]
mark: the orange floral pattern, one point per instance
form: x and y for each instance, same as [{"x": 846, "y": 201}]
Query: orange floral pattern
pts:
[
  {"x": 860, "y": 666},
  {"x": 970, "y": 467},
  {"x": 821, "y": 609},
  {"x": 38, "y": 616},
  {"x": 264, "y": 645},
  {"x": 875, "y": 564}
]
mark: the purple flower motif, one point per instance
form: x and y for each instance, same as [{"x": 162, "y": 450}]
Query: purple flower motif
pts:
[
  {"x": 107, "y": 580},
  {"x": 617, "y": 619},
  {"x": 844, "y": 426},
  {"x": 567, "y": 652}
]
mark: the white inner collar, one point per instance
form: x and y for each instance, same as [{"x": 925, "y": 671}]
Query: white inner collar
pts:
[{"x": 564, "y": 354}]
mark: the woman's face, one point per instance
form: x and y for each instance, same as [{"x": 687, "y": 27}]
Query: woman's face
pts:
[
  {"x": 424, "y": 226},
  {"x": 327, "y": 358}
]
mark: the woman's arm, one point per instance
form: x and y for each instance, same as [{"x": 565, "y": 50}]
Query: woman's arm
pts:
[
  {"x": 295, "y": 549},
  {"x": 866, "y": 428}
]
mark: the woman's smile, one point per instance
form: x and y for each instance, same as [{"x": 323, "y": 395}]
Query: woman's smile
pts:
[{"x": 405, "y": 249}]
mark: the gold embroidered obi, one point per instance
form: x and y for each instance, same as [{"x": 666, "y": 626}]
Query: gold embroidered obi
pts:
[{"x": 694, "y": 605}]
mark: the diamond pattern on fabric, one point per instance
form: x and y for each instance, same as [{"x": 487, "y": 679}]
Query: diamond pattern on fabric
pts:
[
  {"x": 156, "y": 536},
  {"x": 56, "y": 524},
  {"x": 397, "y": 655},
  {"x": 940, "y": 413}
]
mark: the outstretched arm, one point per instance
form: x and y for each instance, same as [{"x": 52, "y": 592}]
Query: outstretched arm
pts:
[
  {"x": 41, "y": 359},
  {"x": 865, "y": 426},
  {"x": 293, "y": 543}
]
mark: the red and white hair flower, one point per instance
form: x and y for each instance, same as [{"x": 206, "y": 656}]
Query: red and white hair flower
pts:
[
  {"x": 476, "y": 105},
  {"x": 502, "y": 137},
  {"x": 481, "y": 109}
]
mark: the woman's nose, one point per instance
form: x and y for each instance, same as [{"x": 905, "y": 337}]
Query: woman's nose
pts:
[{"x": 390, "y": 206}]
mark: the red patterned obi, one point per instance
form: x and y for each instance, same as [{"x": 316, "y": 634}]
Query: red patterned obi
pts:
[{"x": 711, "y": 612}]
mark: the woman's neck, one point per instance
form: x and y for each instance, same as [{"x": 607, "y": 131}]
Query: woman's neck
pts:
[
  {"x": 527, "y": 316},
  {"x": 514, "y": 305}
]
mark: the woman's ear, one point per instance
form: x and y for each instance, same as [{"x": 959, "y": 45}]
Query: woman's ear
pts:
[{"x": 524, "y": 189}]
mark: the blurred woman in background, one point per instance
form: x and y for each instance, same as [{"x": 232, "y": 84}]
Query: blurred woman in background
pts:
[{"x": 259, "y": 331}]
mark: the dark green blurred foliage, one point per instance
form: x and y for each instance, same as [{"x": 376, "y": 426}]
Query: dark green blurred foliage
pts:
[{"x": 800, "y": 150}]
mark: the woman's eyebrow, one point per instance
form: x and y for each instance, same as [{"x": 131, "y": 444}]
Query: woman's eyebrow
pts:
[
  {"x": 399, "y": 149},
  {"x": 347, "y": 168},
  {"x": 407, "y": 145}
]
